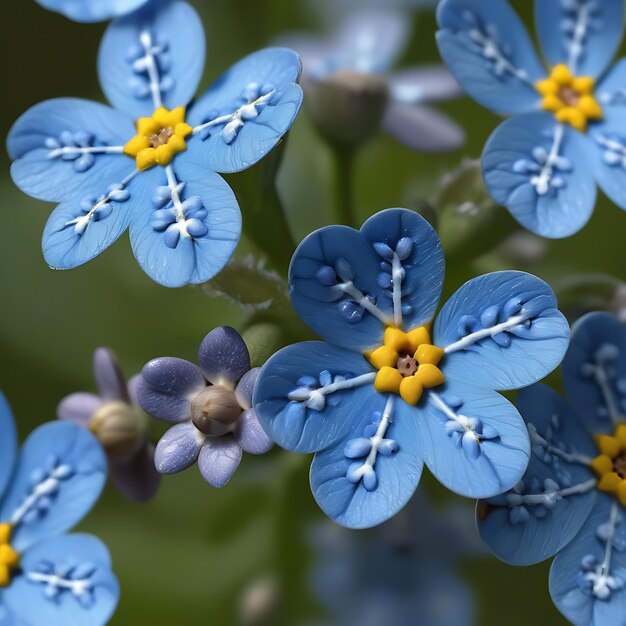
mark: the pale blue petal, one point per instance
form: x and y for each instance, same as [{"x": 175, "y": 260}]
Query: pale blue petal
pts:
[
  {"x": 570, "y": 586},
  {"x": 91, "y": 10},
  {"x": 90, "y": 590},
  {"x": 87, "y": 222},
  {"x": 424, "y": 83},
  {"x": 584, "y": 34},
  {"x": 40, "y": 137},
  {"x": 488, "y": 457},
  {"x": 8, "y": 618},
  {"x": 178, "y": 448},
  {"x": 8, "y": 443},
  {"x": 607, "y": 157},
  {"x": 594, "y": 371},
  {"x": 250, "y": 434},
  {"x": 219, "y": 458},
  {"x": 210, "y": 206},
  {"x": 510, "y": 329},
  {"x": 611, "y": 90},
  {"x": 386, "y": 486},
  {"x": 67, "y": 465},
  {"x": 552, "y": 196},
  {"x": 268, "y": 77},
  {"x": 167, "y": 35},
  {"x": 304, "y": 367},
  {"x": 488, "y": 50},
  {"x": 224, "y": 356},
  {"x": 523, "y": 533}
]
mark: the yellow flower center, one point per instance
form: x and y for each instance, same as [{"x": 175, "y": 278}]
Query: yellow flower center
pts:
[
  {"x": 9, "y": 558},
  {"x": 407, "y": 363},
  {"x": 159, "y": 138},
  {"x": 569, "y": 97},
  {"x": 610, "y": 464}
]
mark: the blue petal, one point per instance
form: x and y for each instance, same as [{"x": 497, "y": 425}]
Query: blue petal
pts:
[
  {"x": 594, "y": 371},
  {"x": 66, "y": 124},
  {"x": 83, "y": 564},
  {"x": 483, "y": 469},
  {"x": 389, "y": 482},
  {"x": 218, "y": 459},
  {"x": 571, "y": 592},
  {"x": 539, "y": 171},
  {"x": 422, "y": 261},
  {"x": 224, "y": 356},
  {"x": 607, "y": 157},
  {"x": 268, "y": 76},
  {"x": 488, "y": 51},
  {"x": 93, "y": 10},
  {"x": 610, "y": 90},
  {"x": 61, "y": 471},
  {"x": 178, "y": 448},
  {"x": 9, "y": 618},
  {"x": 584, "y": 35},
  {"x": 291, "y": 423},
  {"x": 8, "y": 443},
  {"x": 198, "y": 257},
  {"x": 512, "y": 334},
  {"x": 172, "y": 32},
  {"x": 88, "y": 221},
  {"x": 541, "y": 530}
]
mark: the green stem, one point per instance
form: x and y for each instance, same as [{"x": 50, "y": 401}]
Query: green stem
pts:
[{"x": 343, "y": 184}]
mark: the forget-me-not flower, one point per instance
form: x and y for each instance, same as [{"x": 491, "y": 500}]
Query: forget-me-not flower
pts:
[
  {"x": 113, "y": 415},
  {"x": 210, "y": 407},
  {"x": 568, "y": 130},
  {"x": 46, "y": 576},
  {"x": 384, "y": 394},
  {"x": 159, "y": 178},
  {"x": 572, "y": 501},
  {"x": 92, "y": 10},
  {"x": 365, "y": 43}
]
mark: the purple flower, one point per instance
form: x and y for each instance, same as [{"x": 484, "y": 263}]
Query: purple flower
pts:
[
  {"x": 210, "y": 407},
  {"x": 113, "y": 415}
]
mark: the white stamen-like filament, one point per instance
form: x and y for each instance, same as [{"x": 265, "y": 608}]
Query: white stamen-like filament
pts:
[
  {"x": 397, "y": 275},
  {"x": 550, "y": 498},
  {"x": 568, "y": 457},
  {"x": 71, "y": 150},
  {"x": 349, "y": 383},
  {"x": 151, "y": 67},
  {"x": 484, "y": 333}
]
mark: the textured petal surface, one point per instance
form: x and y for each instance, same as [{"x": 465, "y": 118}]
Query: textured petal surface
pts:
[
  {"x": 50, "y": 142},
  {"x": 571, "y": 592},
  {"x": 425, "y": 83},
  {"x": 584, "y": 35},
  {"x": 60, "y": 473},
  {"x": 109, "y": 377},
  {"x": 218, "y": 460},
  {"x": 250, "y": 434},
  {"x": 91, "y": 10},
  {"x": 473, "y": 440},
  {"x": 303, "y": 425},
  {"x": 489, "y": 52},
  {"x": 245, "y": 387},
  {"x": 502, "y": 331},
  {"x": 153, "y": 56},
  {"x": 223, "y": 356},
  {"x": 396, "y": 475},
  {"x": 177, "y": 252},
  {"x": 260, "y": 99},
  {"x": 84, "y": 594},
  {"x": 594, "y": 371},
  {"x": 540, "y": 172},
  {"x": 87, "y": 222},
  {"x": 524, "y": 532},
  {"x": 178, "y": 448},
  {"x": 138, "y": 478},
  {"x": 421, "y": 128},
  {"x": 167, "y": 387},
  {"x": 8, "y": 443},
  {"x": 79, "y": 407}
]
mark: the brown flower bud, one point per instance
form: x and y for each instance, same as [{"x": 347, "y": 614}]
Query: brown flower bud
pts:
[
  {"x": 215, "y": 411},
  {"x": 120, "y": 428}
]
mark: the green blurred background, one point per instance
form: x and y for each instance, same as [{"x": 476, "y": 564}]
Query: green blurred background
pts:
[{"x": 187, "y": 556}]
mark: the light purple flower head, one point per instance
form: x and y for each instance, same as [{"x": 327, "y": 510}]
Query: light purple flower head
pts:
[
  {"x": 210, "y": 407},
  {"x": 113, "y": 415}
]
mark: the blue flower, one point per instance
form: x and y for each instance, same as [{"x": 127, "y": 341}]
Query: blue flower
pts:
[
  {"x": 568, "y": 130},
  {"x": 115, "y": 418},
  {"x": 370, "y": 295},
  {"x": 92, "y": 10},
  {"x": 367, "y": 42},
  {"x": 46, "y": 576},
  {"x": 161, "y": 179},
  {"x": 210, "y": 407},
  {"x": 378, "y": 577},
  {"x": 572, "y": 500}
]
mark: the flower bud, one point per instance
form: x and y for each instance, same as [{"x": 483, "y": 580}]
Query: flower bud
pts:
[
  {"x": 347, "y": 107},
  {"x": 120, "y": 428},
  {"x": 215, "y": 411}
]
